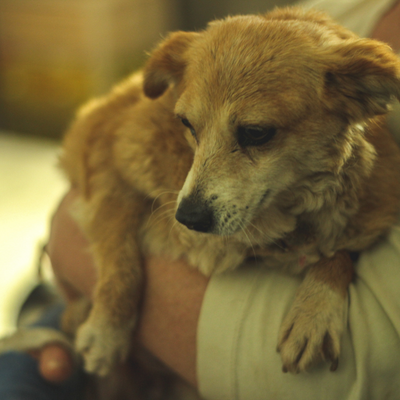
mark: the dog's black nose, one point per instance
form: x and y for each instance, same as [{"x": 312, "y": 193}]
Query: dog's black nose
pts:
[{"x": 195, "y": 215}]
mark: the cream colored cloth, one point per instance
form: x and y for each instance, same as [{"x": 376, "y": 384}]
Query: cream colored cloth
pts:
[
  {"x": 243, "y": 310},
  {"x": 360, "y": 16},
  {"x": 239, "y": 324}
]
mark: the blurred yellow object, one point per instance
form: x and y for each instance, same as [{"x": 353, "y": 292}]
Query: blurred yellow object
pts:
[{"x": 55, "y": 54}]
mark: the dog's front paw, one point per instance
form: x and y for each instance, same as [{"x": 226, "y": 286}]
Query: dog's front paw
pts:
[
  {"x": 101, "y": 345},
  {"x": 312, "y": 331}
]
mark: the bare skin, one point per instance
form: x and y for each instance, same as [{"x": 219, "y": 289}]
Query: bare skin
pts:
[{"x": 173, "y": 293}]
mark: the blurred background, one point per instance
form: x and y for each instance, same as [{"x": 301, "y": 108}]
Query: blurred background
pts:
[{"x": 54, "y": 55}]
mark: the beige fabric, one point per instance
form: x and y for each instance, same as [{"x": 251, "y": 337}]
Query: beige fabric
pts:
[
  {"x": 243, "y": 310},
  {"x": 360, "y": 16},
  {"x": 239, "y": 326}
]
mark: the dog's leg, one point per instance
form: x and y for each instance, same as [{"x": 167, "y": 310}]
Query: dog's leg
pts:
[
  {"x": 104, "y": 339},
  {"x": 312, "y": 330},
  {"x": 75, "y": 314}
]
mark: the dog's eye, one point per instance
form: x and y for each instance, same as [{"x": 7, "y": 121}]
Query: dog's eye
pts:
[
  {"x": 189, "y": 125},
  {"x": 255, "y": 135}
]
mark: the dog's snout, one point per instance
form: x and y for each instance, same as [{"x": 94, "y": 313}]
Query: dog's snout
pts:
[{"x": 195, "y": 215}]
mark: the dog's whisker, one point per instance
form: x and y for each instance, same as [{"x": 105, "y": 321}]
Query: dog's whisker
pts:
[
  {"x": 159, "y": 218},
  {"x": 161, "y": 211},
  {"x": 153, "y": 193},
  {"x": 243, "y": 228},
  {"x": 157, "y": 211},
  {"x": 224, "y": 239},
  {"x": 172, "y": 227},
  {"x": 277, "y": 244},
  {"x": 161, "y": 194},
  {"x": 256, "y": 228},
  {"x": 153, "y": 211},
  {"x": 268, "y": 239},
  {"x": 156, "y": 195}
]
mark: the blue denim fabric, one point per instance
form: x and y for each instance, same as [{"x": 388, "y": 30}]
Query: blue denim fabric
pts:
[{"x": 20, "y": 378}]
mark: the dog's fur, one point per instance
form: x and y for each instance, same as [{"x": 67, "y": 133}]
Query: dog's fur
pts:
[{"x": 282, "y": 155}]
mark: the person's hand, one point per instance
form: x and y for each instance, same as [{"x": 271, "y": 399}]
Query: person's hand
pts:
[
  {"x": 171, "y": 306},
  {"x": 75, "y": 274},
  {"x": 55, "y": 363}
]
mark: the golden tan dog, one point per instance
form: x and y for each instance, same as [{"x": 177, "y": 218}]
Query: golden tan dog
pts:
[{"x": 264, "y": 137}]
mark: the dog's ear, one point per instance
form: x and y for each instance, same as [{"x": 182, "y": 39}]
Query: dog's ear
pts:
[
  {"x": 362, "y": 79},
  {"x": 167, "y": 63}
]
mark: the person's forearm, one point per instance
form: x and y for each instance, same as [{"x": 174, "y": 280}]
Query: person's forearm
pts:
[
  {"x": 170, "y": 314},
  {"x": 69, "y": 253}
]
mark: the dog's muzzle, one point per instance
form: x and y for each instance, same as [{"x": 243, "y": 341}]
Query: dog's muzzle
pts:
[{"x": 195, "y": 215}]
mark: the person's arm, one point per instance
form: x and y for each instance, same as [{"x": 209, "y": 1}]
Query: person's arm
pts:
[
  {"x": 172, "y": 298},
  {"x": 168, "y": 320}
]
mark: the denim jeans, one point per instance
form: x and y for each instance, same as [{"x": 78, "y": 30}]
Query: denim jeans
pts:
[{"x": 20, "y": 378}]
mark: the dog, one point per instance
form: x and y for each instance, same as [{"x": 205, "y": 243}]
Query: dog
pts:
[{"x": 261, "y": 137}]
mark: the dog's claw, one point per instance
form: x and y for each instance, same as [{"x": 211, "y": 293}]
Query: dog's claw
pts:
[
  {"x": 334, "y": 365},
  {"x": 102, "y": 346},
  {"x": 311, "y": 333},
  {"x": 328, "y": 349}
]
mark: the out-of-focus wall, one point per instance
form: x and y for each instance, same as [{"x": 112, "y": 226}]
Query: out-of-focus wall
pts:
[
  {"x": 198, "y": 12},
  {"x": 55, "y": 54}
]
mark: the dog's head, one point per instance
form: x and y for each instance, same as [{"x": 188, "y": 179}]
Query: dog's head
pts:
[{"x": 268, "y": 100}]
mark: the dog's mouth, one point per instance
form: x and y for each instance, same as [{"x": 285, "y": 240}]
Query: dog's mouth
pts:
[{"x": 202, "y": 216}]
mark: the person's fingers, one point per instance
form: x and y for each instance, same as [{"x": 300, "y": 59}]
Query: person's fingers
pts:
[{"x": 55, "y": 363}]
